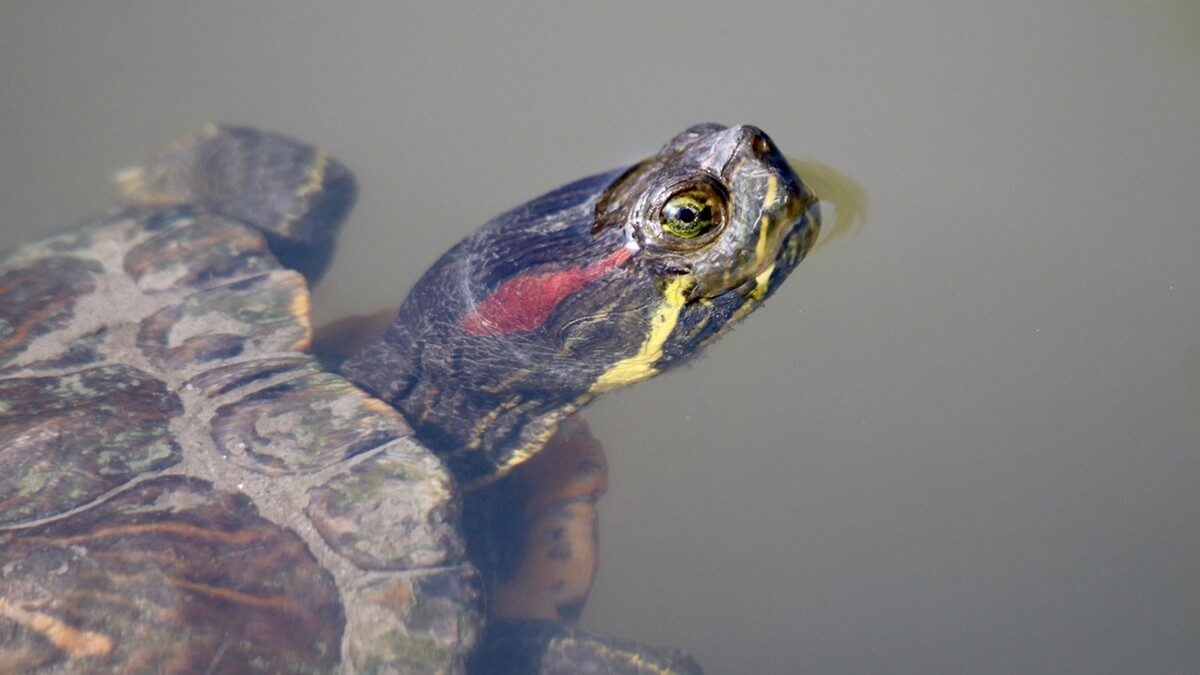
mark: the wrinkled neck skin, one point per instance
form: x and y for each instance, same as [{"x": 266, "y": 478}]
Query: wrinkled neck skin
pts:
[
  {"x": 478, "y": 395},
  {"x": 548, "y": 306}
]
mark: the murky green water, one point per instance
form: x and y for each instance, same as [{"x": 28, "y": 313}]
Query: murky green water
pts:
[{"x": 963, "y": 439}]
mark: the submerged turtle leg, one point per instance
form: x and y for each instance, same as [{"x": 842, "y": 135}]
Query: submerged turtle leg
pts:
[
  {"x": 555, "y": 574},
  {"x": 534, "y": 533},
  {"x": 293, "y": 193}
]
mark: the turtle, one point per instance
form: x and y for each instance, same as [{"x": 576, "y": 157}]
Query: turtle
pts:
[{"x": 190, "y": 483}]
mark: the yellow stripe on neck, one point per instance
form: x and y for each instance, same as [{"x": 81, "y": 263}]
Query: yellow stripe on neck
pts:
[{"x": 641, "y": 365}]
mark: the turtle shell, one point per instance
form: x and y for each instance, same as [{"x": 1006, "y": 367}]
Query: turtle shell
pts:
[{"x": 184, "y": 489}]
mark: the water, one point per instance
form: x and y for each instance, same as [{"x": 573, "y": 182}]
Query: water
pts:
[{"x": 961, "y": 439}]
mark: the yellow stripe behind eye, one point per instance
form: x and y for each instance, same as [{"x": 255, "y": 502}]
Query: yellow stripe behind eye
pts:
[{"x": 641, "y": 365}]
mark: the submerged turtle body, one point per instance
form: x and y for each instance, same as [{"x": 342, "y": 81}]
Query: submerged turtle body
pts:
[{"x": 185, "y": 488}]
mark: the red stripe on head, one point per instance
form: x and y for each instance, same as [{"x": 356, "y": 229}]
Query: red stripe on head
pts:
[{"x": 523, "y": 303}]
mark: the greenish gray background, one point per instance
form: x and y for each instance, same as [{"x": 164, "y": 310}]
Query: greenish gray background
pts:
[{"x": 964, "y": 439}]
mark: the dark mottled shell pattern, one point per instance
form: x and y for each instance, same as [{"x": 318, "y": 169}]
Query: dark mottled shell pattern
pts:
[{"x": 158, "y": 415}]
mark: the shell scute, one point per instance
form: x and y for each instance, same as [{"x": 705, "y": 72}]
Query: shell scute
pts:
[
  {"x": 256, "y": 315},
  {"x": 395, "y": 510},
  {"x": 67, "y": 439},
  {"x": 238, "y": 377},
  {"x": 135, "y": 576},
  {"x": 195, "y": 253},
  {"x": 40, "y": 298},
  {"x": 303, "y": 425},
  {"x": 420, "y": 623}
]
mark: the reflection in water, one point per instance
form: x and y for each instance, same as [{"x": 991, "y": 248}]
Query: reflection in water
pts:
[{"x": 836, "y": 189}]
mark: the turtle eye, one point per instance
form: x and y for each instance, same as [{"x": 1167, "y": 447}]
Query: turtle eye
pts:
[{"x": 690, "y": 213}]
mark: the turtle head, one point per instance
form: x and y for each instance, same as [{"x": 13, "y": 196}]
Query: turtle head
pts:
[
  {"x": 597, "y": 285},
  {"x": 718, "y": 219},
  {"x": 718, "y": 208}
]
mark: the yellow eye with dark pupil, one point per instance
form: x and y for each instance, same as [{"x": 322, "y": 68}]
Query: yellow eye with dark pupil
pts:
[{"x": 689, "y": 215}]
